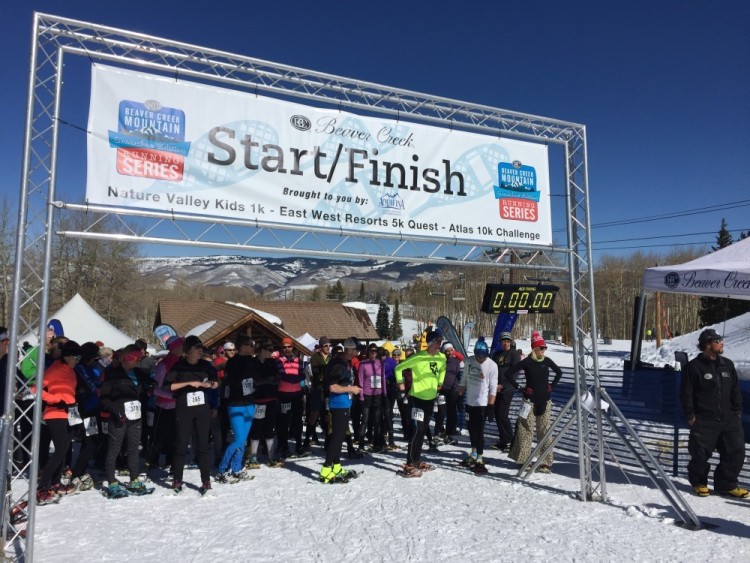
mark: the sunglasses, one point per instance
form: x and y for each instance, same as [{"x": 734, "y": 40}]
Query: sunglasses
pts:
[
  {"x": 287, "y": 347},
  {"x": 542, "y": 347},
  {"x": 326, "y": 346}
]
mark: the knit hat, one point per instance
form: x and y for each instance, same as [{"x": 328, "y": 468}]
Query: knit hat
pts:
[
  {"x": 190, "y": 342},
  {"x": 351, "y": 343},
  {"x": 286, "y": 341},
  {"x": 481, "y": 348},
  {"x": 537, "y": 341},
  {"x": 506, "y": 336},
  {"x": 433, "y": 336},
  {"x": 70, "y": 348},
  {"x": 446, "y": 346},
  {"x": 324, "y": 340},
  {"x": 89, "y": 351},
  {"x": 56, "y": 326},
  {"x": 229, "y": 346}
]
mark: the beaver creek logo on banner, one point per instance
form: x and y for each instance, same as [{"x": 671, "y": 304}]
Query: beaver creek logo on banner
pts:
[
  {"x": 150, "y": 140},
  {"x": 517, "y": 192}
]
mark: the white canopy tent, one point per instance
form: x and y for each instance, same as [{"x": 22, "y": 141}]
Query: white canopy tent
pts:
[
  {"x": 724, "y": 273},
  {"x": 83, "y": 324}
]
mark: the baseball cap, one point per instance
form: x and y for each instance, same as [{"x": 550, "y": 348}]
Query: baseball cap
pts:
[
  {"x": 229, "y": 346},
  {"x": 286, "y": 341},
  {"x": 433, "y": 336},
  {"x": 505, "y": 336},
  {"x": 707, "y": 336}
]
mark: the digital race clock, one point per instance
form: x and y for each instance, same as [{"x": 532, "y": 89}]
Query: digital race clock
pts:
[{"x": 519, "y": 298}]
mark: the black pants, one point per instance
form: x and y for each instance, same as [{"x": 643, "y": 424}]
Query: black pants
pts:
[
  {"x": 264, "y": 428},
  {"x": 314, "y": 414},
  {"x": 502, "y": 418},
  {"x": 727, "y": 437},
  {"x": 476, "y": 428},
  {"x": 339, "y": 424},
  {"x": 163, "y": 437},
  {"x": 130, "y": 430},
  {"x": 355, "y": 415},
  {"x": 59, "y": 430},
  {"x": 387, "y": 419},
  {"x": 404, "y": 411},
  {"x": 451, "y": 412},
  {"x": 440, "y": 414},
  {"x": 421, "y": 413},
  {"x": 372, "y": 412},
  {"x": 216, "y": 436},
  {"x": 196, "y": 421},
  {"x": 89, "y": 446},
  {"x": 289, "y": 421}
]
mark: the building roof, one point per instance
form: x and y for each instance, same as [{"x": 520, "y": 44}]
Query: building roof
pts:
[
  {"x": 320, "y": 318},
  {"x": 224, "y": 320}
]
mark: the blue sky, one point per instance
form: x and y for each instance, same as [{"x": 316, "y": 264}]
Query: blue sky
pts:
[{"x": 663, "y": 87}]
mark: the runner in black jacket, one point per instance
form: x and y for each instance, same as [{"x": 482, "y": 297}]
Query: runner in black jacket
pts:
[{"x": 188, "y": 380}]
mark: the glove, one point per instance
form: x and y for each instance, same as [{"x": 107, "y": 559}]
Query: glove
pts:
[
  {"x": 403, "y": 398},
  {"x": 528, "y": 392},
  {"x": 60, "y": 405}
]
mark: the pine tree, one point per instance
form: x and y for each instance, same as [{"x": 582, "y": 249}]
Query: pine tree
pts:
[
  {"x": 339, "y": 292},
  {"x": 381, "y": 321},
  {"x": 361, "y": 296},
  {"x": 396, "y": 330}
]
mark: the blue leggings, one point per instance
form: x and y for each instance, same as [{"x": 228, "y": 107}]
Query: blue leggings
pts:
[{"x": 241, "y": 419}]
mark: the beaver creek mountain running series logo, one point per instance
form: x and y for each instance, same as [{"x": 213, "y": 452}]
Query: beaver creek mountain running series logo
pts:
[
  {"x": 517, "y": 192},
  {"x": 150, "y": 140}
]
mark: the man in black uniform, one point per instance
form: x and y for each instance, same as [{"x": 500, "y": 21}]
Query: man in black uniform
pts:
[{"x": 712, "y": 403}]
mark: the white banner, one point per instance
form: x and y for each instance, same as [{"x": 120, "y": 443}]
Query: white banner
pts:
[{"x": 161, "y": 143}]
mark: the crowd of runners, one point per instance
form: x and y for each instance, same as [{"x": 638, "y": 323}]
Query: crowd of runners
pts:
[{"x": 227, "y": 410}]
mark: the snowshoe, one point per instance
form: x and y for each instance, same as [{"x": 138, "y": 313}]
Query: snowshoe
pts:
[
  {"x": 206, "y": 491},
  {"x": 355, "y": 453},
  {"x": 544, "y": 469},
  {"x": 115, "y": 491},
  {"x": 83, "y": 483},
  {"x": 123, "y": 473},
  {"x": 137, "y": 488},
  {"x": 64, "y": 490},
  {"x": 252, "y": 463},
  {"x": 242, "y": 476},
  {"x": 226, "y": 478},
  {"x": 392, "y": 448},
  {"x": 409, "y": 471},
  {"x": 177, "y": 487},
  {"x": 46, "y": 496},
  {"x": 701, "y": 490},
  {"x": 18, "y": 513},
  {"x": 424, "y": 467},
  {"x": 274, "y": 463},
  {"x": 346, "y": 475},
  {"x": 479, "y": 468}
]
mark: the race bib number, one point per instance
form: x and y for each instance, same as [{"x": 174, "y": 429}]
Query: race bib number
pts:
[
  {"x": 74, "y": 417},
  {"x": 286, "y": 407},
  {"x": 196, "y": 398},
  {"x": 105, "y": 427},
  {"x": 248, "y": 386},
  {"x": 441, "y": 399},
  {"x": 417, "y": 414},
  {"x": 150, "y": 419},
  {"x": 260, "y": 412},
  {"x": 132, "y": 410},
  {"x": 90, "y": 427},
  {"x": 525, "y": 410},
  {"x": 376, "y": 382}
]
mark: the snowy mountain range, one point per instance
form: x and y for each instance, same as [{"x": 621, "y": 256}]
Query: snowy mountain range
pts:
[{"x": 275, "y": 274}]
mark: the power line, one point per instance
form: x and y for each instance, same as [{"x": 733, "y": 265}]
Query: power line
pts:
[{"x": 667, "y": 236}]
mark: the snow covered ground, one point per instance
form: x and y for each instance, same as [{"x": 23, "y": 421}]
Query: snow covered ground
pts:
[{"x": 286, "y": 515}]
